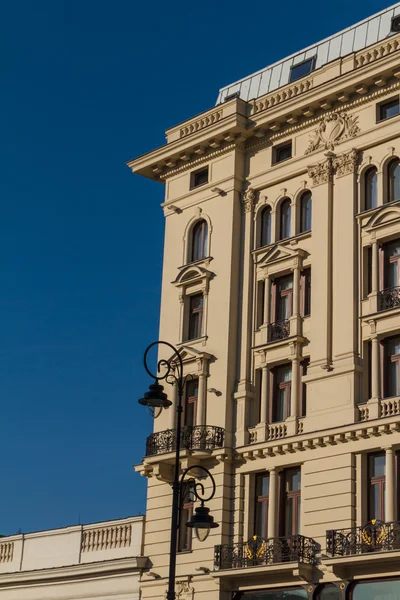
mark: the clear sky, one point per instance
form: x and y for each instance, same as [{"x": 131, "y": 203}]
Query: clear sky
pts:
[{"x": 85, "y": 86}]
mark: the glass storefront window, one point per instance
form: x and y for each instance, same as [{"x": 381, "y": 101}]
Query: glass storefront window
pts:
[
  {"x": 377, "y": 590},
  {"x": 294, "y": 594}
]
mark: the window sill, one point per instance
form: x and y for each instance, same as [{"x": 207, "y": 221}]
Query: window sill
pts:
[
  {"x": 195, "y": 342},
  {"x": 206, "y": 260},
  {"x": 290, "y": 240}
]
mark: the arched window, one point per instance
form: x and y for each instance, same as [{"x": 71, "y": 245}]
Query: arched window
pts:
[
  {"x": 305, "y": 212},
  {"x": 265, "y": 225},
  {"x": 199, "y": 241},
  {"x": 393, "y": 192},
  {"x": 284, "y": 221},
  {"x": 371, "y": 188}
]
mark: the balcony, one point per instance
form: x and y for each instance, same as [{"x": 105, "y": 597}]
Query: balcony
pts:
[
  {"x": 199, "y": 437},
  {"x": 389, "y": 298},
  {"x": 375, "y": 536},
  {"x": 259, "y": 552},
  {"x": 280, "y": 330}
]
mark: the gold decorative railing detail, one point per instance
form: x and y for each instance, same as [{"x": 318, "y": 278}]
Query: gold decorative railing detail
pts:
[
  {"x": 6, "y": 552},
  {"x": 105, "y": 538}
]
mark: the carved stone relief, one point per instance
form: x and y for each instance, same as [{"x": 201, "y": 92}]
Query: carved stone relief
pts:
[
  {"x": 332, "y": 129},
  {"x": 249, "y": 200},
  {"x": 321, "y": 172},
  {"x": 345, "y": 164},
  {"x": 184, "y": 590}
]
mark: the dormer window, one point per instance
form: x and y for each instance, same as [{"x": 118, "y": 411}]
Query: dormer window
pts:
[{"x": 302, "y": 69}]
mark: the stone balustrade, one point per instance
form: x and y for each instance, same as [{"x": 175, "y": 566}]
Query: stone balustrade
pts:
[{"x": 79, "y": 544}]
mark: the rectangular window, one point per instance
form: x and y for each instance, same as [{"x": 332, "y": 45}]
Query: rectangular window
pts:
[
  {"x": 185, "y": 533},
  {"x": 196, "y": 316},
  {"x": 376, "y": 486},
  {"x": 290, "y": 502},
  {"x": 392, "y": 264},
  {"x": 190, "y": 408},
  {"x": 198, "y": 178},
  {"x": 261, "y": 505},
  {"x": 282, "y": 152},
  {"x": 282, "y": 301},
  {"x": 388, "y": 109},
  {"x": 305, "y": 292},
  {"x": 302, "y": 69},
  {"x": 281, "y": 392},
  {"x": 391, "y": 354}
]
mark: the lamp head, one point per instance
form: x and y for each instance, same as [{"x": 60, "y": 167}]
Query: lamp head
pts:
[
  {"x": 202, "y": 522},
  {"x": 155, "y": 397}
]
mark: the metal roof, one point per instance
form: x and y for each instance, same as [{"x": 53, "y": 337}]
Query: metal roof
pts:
[{"x": 354, "y": 38}]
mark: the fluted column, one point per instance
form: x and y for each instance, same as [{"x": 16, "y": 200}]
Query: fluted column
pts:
[
  {"x": 390, "y": 486},
  {"x": 201, "y": 401},
  {"x": 272, "y": 504},
  {"x": 264, "y": 395}
]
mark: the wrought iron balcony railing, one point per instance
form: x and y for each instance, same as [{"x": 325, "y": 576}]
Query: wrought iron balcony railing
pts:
[
  {"x": 279, "y": 330},
  {"x": 389, "y": 298},
  {"x": 261, "y": 552},
  {"x": 199, "y": 437},
  {"x": 375, "y": 536}
]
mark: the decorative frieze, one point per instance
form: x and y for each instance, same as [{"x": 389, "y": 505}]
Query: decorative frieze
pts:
[
  {"x": 249, "y": 200},
  {"x": 345, "y": 163},
  {"x": 332, "y": 129},
  {"x": 6, "y": 552},
  {"x": 104, "y": 538}
]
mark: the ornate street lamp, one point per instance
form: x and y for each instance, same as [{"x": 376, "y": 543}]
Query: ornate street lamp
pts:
[{"x": 201, "y": 522}]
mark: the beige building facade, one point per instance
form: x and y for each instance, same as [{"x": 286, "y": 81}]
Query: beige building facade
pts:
[
  {"x": 101, "y": 561},
  {"x": 281, "y": 289}
]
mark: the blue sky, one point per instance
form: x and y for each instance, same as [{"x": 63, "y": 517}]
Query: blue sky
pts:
[{"x": 86, "y": 86}]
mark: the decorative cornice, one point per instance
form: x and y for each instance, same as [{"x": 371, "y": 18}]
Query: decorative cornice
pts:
[
  {"x": 343, "y": 107},
  {"x": 251, "y": 144},
  {"x": 333, "y": 129},
  {"x": 203, "y": 159},
  {"x": 304, "y": 441},
  {"x": 249, "y": 200},
  {"x": 346, "y": 163}
]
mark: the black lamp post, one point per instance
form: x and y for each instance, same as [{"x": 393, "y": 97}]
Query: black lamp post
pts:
[{"x": 202, "y": 522}]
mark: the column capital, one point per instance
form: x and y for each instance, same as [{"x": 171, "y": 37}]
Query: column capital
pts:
[{"x": 249, "y": 200}]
